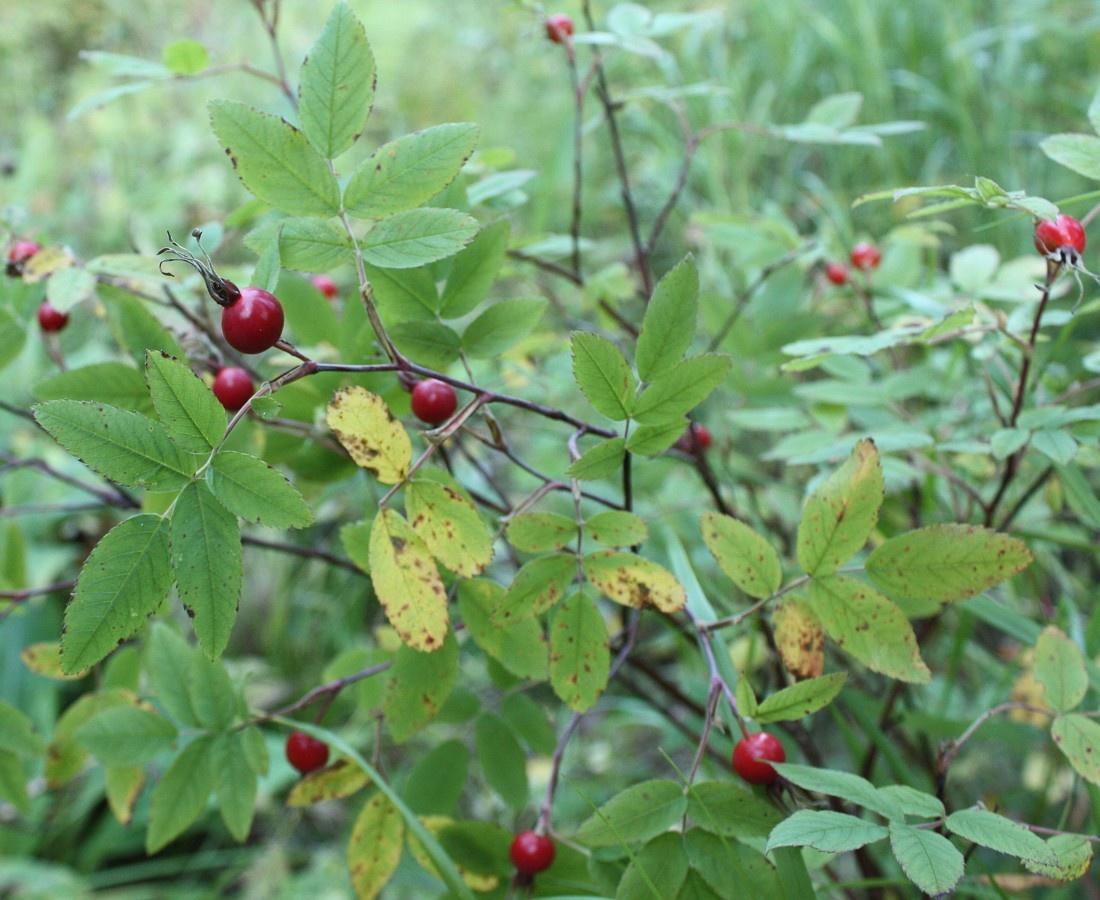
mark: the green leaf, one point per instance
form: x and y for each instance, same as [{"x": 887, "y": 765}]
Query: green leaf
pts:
[
  {"x": 634, "y": 581},
  {"x": 17, "y": 733},
  {"x": 186, "y": 406},
  {"x": 112, "y": 383},
  {"x": 13, "y": 781},
  {"x": 942, "y": 563},
  {"x": 732, "y": 869},
  {"x": 840, "y": 514},
  {"x": 185, "y": 57},
  {"x": 65, "y": 288},
  {"x": 418, "y": 685},
  {"x": 122, "y": 446},
  {"x": 520, "y": 647},
  {"x": 639, "y": 813},
  {"x": 474, "y": 270},
  {"x": 430, "y": 344},
  {"x": 928, "y": 859},
  {"x": 125, "y": 736},
  {"x": 800, "y": 699},
  {"x": 1060, "y": 668},
  {"x": 1074, "y": 855},
  {"x": 122, "y": 583},
  {"x": 237, "y": 784},
  {"x": 211, "y": 691},
  {"x": 844, "y": 785},
  {"x": 181, "y": 794},
  {"x": 305, "y": 245},
  {"x": 1080, "y": 497},
  {"x": 669, "y": 324},
  {"x": 603, "y": 375},
  {"x": 363, "y": 423},
  {"x": 599, "y": 461},
  {"x": 657, "y": 871},
  {"x": 500, "y": 326},
  {"x": 651, "y": 440},
  {"x": 530, "y": 721},
  {"x": 868, "y": 626},
  {"x": 336, "y": 85},
  {"x": 540, "y": 532},
  {"x": 580, "y": 657},
  {"x": 1079, "y": 739},
  {"x": 450, "y": 526},
  {"x": 998, "y": 833},
  {"x": 824, "y": 830},
  {"x": 481, "y": 848},
  {"x": 409, "y": 239},
  {"x": 436, "y": 782},
  {"x": 406, "y": 295},
  {"x": 748, "y": 560},
  {"x": 12, "y": 337},
  {"x": 538, "y": 585},
  {"x": 269, "y": 265},
  {"x": 407, "y": 582},
  {"x": 502, "y": 760},
  {"x": 679, "y": 390},
  {"x": 275, "y": 161},
  {"x": 248, "y": 487},
  {"x": 374, "y": 849},
  {"x": 167, "y": 662},
  {"x": 1077, "y": 152},
  {"x": 135, "y": 328},
  {"x": 122, "y": 786},
  {"x": 616, "y": 528},
  {"x": 206, "y": 560},
  {"x": 729, "y": 810},
  {"x": 913, "y": 802},
  {"x": 409, "y": 171}
]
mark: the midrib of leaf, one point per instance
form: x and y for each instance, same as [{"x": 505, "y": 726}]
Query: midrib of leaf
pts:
[
  {"x": 208, "y": 569},
  {"x": 194, "y": 422},
  {"x": 127, "y": 448}
]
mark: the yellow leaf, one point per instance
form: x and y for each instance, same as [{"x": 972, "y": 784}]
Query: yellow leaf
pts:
[
  {"x": 45, "y": 659},
  {"x": 634, "y": 581},
  {"x": 365, "y": 426},
  {"x": 375, "y": 846},
  {"x": 407, "y": 582},
  {"x": 800, "y": 639},
  {"x": 341, "y": 779},
  {"x": 435, "y": 824},
  {"x": 44, "y": 263},
  {"x": 124, "y": 784},
  {"x": 450, "y": 527}
]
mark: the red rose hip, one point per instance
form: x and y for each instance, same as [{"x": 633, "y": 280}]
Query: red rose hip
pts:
[
  {"x": 50, "y": 319},
  {"x": 559, "y": 28},
  {"x": 433, "y": 401},
  {"x": 1062, "y": 236},
  {"x": 866, "y": 256},
  {"x": 305, "y": 753},
  {"x": 695, "y": 440},
  {"x": 18, "y": 254},
  {"x": 326, "y": 286},
  {"x": 233, "y": 387},
  {"x": 532, "y": 853},
  {"x": 752, "y": 755},
  {"x": 837, "y": 273}
]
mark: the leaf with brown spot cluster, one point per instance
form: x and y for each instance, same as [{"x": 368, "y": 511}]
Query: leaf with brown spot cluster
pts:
[
  {"x": 840, "y": 514},
  {"x": 374, "y": 849},
  {"x": 1079, "y": 739},
  {"x": 341, "y": 779},
  {"x": 747, "y": 559},
  {"x": 799, "y": 637},
  {"x": 580, "y": 657},
  {"x": 450, "y": 526},
  {"x": 407, "y": 582},
  {"x": 365, "y": 426},
  {"x": 418, "y": 686},
  {"x": 633, "y": 581},
  {"x": 538, "y": 585}
]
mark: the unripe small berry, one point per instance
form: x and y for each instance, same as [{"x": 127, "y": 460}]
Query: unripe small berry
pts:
[
  {"x": 252, "y": 322},
  {"x": 866, "y": 256},
  {"x": 50, "y": 319},
  {"x": 306, "y": 753},
  {"x": 752, "y": 754},
  {"x": 532, "y": 853},
  {"x": 1060, "y": 235},
  {"x": 559, "y": 28},
  {"x": 837, "y": 273},
  {"x": 433, "y": 401},
  {"x": 326, "y": 286},
  {"x": 233, "y": 387}
]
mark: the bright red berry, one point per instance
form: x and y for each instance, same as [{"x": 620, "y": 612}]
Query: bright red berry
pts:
[
  {"x": 433, "y": 401},
  {"x": 752, "y": 755},
  {"x": 866, "y": 256},
  {"x": 837, "y": 273},
  {"x": 1063, "y": 234},
  {"x": 696, "y": 439},
  {"x": 559, "y": 28},
  {"x": 233, "y": 386},
  {"x": 532, "y": 853},
  {"x": 50, "y": 319},
  {"x": 252, "y": 322},
  {"x": 305, "y": 753},
  {"x": 326, "y": 286},
  {"x": 18, "y": 254}
]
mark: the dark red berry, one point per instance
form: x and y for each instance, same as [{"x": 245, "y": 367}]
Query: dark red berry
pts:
[
  {"x": 50, "y": 319},
  {"x": 696, "y": 439},
  {"x": 252, "y": 322},
  {"x": 532, "y": 853},
  {"x": 559, "y": 28},
  {"x": 1058, "y": 236},
  {"x": 305, "y": 753},
  {"x": 326, "y": 286},
  {"x": 837, "y": 273},
  {"x": 752, "y": 755},
  {"x": 433, "y": 401},
  {"x": 18, "y": 254},
  {"x": 866, "y": 256},
  {"x": 233, "y": 386}
]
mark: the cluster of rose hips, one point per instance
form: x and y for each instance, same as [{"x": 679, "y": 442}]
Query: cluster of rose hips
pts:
[{"x": 864, "y": 256}]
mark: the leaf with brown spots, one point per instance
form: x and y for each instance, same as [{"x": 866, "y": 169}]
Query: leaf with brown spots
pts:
[
  {"x": 634, "y": 581},
  {"x": 450, "y": 526},
  {"x": 540, "y": 532},
  {"x": 341, "y": 779},
  {"x": 407, "y": 582},
  {"x": 417, "y": 688},
  {"x": 1079, "y": 739},
  {"x": 750, "y": 561},
  {"x": 942, "y": 563},
  {"x": 868, "y": 626},
  {"x": 580, "y": 657},
  {"x": 45, "y": 659},
  {"x": 799, "y": 637},
  {"x": 840, "y": 514},
  {"x": 537, "y": 586},
  {"x": 365, "y": 426},
  {"x": 374, "y": 849}
]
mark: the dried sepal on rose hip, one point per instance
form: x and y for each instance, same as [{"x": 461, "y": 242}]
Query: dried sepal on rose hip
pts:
[
  {"x": 252, "y": 318},
  {"x": 1061, "y": 239}
]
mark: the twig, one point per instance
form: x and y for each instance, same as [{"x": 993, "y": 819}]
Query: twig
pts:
[
  {"x": 329, "y": 688},
  {"x": 547, "y": 266},
  {"x": 304, "y": 552},
  {"x": 28, "y": 593}
]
